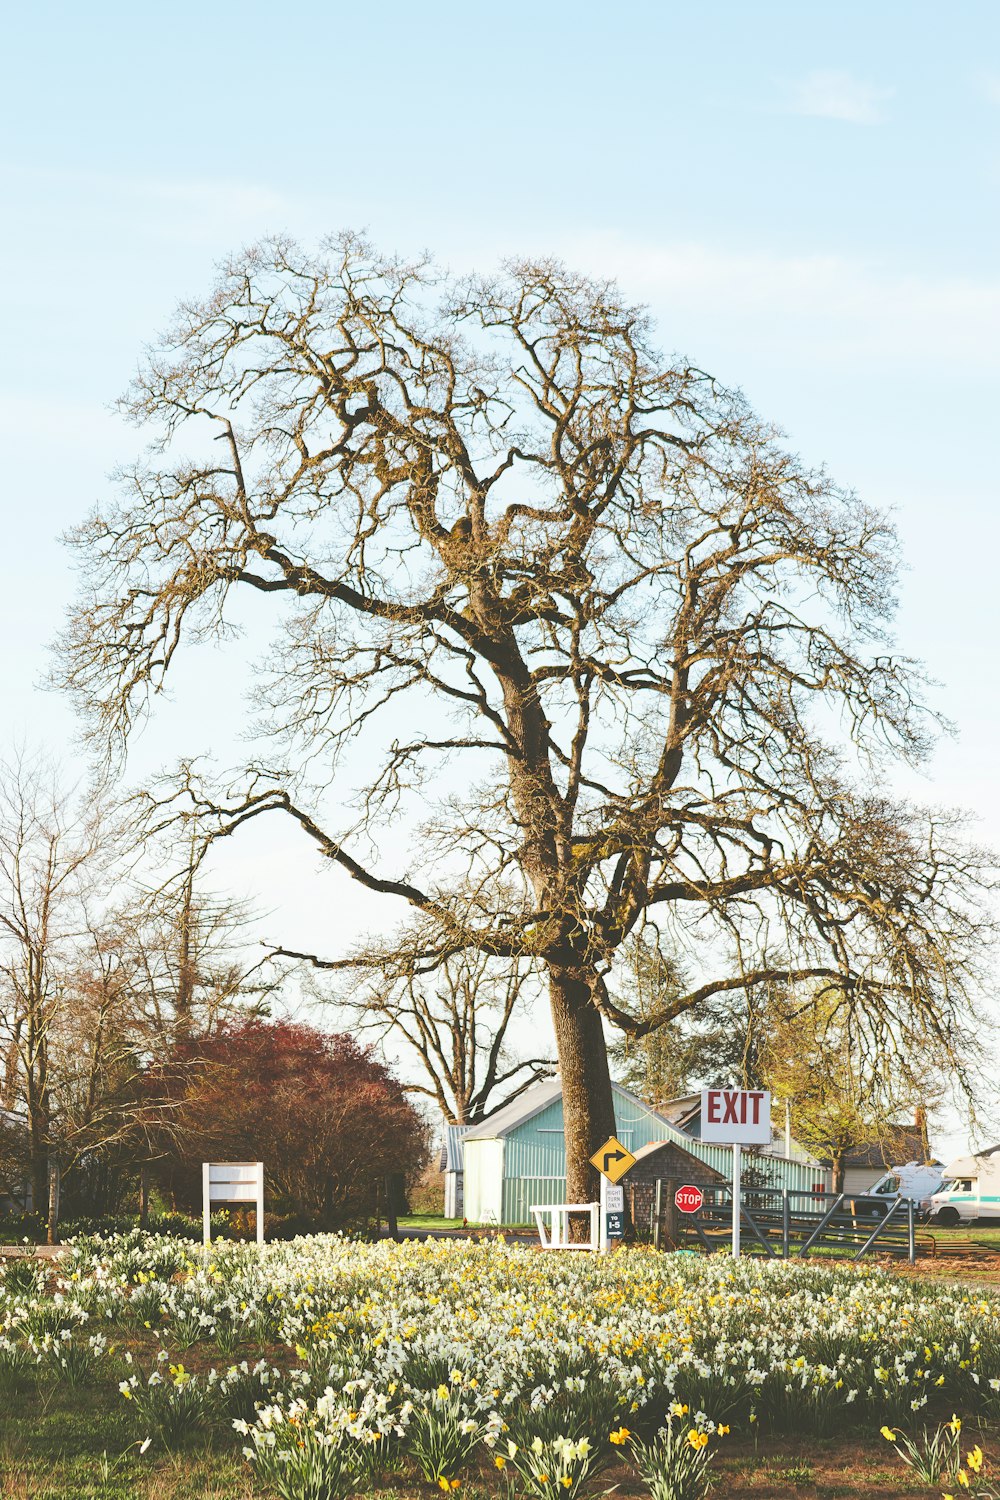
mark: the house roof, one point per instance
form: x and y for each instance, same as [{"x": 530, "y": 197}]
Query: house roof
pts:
[
  {"x": 539, "y": 1097},
  {"x": 899, "y": 1143},
  {"x": 696, "y": 1164}
]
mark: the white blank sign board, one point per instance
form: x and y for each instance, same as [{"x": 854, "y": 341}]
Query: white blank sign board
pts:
[{"x": 232, "y": 1182}]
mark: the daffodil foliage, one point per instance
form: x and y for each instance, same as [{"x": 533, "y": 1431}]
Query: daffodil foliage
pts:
[{"x": 349, "y": 1360}]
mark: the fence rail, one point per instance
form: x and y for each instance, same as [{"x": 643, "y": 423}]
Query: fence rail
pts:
[
  {"x": 777, "y": 1172},
  {"x": 785, "y": 1223}
]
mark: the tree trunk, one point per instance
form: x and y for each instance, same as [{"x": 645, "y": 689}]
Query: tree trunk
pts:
[
  {"x": 53, "y": 1188},
  {"x": 588, "y": 1108},
  {"x": 920, "y": 1120},
  {"x": 839, "y": 1170},
  {"x": 38, "y": 1145},
  {"x": 390, "y": 1209},
  {"x": 185, "y": 977}
]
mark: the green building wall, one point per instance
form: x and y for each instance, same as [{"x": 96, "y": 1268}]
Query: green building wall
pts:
[{"x": 504, "y": 1177}]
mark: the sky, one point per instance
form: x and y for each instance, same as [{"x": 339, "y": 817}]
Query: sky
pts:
[{"x": 808, "y": 197}]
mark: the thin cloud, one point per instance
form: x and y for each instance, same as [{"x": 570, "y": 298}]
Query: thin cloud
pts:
[
  {"x": 830, "y": 310},
  {"x": 830, "y": 95}
]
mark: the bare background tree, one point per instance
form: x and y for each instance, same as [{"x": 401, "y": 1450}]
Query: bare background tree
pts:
[
  {"x": 561, "y": 613},
  {"x": 51, "y": 849},
  {"x": 454, "y": 1016},
  {"x": 99, "y": 977}
]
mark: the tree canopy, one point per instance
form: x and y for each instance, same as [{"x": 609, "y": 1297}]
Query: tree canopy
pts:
[
  {"x": 327, "y": 1118},
  {"x": 570, "y": 606}
]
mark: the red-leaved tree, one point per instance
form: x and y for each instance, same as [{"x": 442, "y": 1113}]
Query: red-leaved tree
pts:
[{"x": 323, "y": 1114}]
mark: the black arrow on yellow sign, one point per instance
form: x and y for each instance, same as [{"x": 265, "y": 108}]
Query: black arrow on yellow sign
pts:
[{"x": 612, "y": 1160}]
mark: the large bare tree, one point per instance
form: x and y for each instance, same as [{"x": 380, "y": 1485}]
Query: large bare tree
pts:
[{"x": 572, "y": 602}]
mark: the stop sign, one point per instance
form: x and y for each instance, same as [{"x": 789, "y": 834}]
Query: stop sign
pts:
[{"x": 689, "y": 1199}]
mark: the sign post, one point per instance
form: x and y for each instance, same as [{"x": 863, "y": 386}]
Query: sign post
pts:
[
  {"x": 738, "y": 1118},
  {"x": 613, "y": 1160},
  {"x": 737, "y": 1195}
]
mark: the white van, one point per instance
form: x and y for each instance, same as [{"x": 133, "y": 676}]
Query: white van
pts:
[
  {"x": 971, "y": 1190},
  {"x": 918, "y": 1180},
  {"x": 915, "y": 1180}
]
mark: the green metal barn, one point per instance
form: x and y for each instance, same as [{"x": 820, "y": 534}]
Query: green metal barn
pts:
[{"x": 516, "y": 1157}]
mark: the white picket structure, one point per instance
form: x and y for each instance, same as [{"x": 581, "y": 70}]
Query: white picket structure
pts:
[{"x": 555, "y": 1234}]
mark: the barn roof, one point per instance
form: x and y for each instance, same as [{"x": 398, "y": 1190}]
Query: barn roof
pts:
[
  {"x": 539, "y": 1097},
  {"x": 524, "y": 1107}
]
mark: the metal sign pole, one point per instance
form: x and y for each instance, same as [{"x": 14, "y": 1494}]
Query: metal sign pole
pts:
[
  {"x": 737, "y": 1167},
  {"x": 603, "y": 1235},
  {"x": 206, "y": 1202}
]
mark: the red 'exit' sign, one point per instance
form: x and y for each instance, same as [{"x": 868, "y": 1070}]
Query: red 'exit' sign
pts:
[{"x": 736, "y": 1115}]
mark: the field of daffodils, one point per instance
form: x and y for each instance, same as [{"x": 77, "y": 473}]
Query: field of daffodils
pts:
[{"x": 338, "y": 1367}]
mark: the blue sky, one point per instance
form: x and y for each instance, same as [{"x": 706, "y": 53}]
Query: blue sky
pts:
[{"x": 806, "y": 194}]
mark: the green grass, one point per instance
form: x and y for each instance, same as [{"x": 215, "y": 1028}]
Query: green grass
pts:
[
  {"x": 978, "y": 1234},
  {"x": 428, "y": 1221},
  {"x": 437, "y": 1221},
  {"x": 59, "y": 1444}
]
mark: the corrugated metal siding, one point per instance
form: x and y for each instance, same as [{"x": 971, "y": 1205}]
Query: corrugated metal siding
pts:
[
  {"x": 532, "y": 1160},
  {"x": 536, "y": 1148},
  {"x": 535, "y": 1161},
  {"x": 520, "y": 1194}
]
